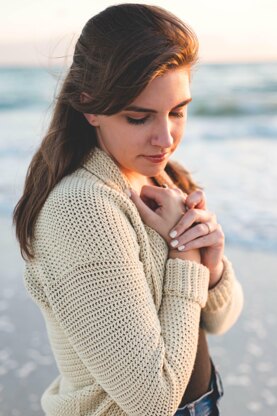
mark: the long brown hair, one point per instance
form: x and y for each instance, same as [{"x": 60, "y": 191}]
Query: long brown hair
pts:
[{"x": 119, "y": 51}]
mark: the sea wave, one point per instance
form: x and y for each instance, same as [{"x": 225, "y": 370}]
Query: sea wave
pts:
[
  {"x": 228, "y": 108},
  {"x": 229, "y": 128},
  {"x": 229, "y": 146},
  {"x": 20, "y": 103},
  {"x": 217, "y": 90},
  {"x": 198, "y": 109}
]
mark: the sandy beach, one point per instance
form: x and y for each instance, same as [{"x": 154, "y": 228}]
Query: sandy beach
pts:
[{"x": 245, "y": 356}]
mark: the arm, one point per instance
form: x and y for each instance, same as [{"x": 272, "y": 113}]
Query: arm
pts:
[
  {"x": 225, "y": 302},
  {"x": 225, "y": 296},
  {"x": 141, "y": 358}
]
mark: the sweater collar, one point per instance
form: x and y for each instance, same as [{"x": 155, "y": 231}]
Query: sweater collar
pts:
[{"x": 100, "y": 164}]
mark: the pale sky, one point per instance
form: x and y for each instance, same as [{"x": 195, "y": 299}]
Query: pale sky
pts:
[{"x": 36, "y": 31}]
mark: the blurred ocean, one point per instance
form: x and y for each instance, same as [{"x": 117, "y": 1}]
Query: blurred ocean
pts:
[
  {"x": 230, "y": 143},
  {"x": 230, "y": 146}
]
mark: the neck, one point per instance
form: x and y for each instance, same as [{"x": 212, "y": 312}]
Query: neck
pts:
[{"x": 137, "y": 182}]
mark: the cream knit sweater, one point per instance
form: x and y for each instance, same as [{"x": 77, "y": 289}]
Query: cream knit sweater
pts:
[{"x": 122, "y": 318}]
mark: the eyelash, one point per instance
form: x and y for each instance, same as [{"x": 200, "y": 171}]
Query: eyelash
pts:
[{"x": 138, "y": 121}]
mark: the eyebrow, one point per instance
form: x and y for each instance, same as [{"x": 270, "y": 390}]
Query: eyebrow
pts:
[{"x": 149, "y": 110}]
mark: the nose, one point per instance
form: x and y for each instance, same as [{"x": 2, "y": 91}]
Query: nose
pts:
[{"x": 162, "y": 135}]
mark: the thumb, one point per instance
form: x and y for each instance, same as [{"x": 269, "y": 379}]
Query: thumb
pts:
[
  {"x": 154, "y": 193},
  {"x": 147, "y": 215},
  {"x": 196, "y": 199}
]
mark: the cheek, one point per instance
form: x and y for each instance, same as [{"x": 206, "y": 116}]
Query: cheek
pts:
[
  {"x": 137, "y": 138},
  {"x": 179, "y": 131}
]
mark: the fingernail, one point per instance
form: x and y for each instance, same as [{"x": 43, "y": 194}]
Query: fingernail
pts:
[
  {"x": 128, "y": 192},
  {"x": 173, "y": 234},
  {"x": 174, "y": 243},
  {"x": 181, "y": 248}
]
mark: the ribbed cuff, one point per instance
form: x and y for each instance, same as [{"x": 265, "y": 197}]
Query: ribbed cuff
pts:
[
  {"x": 188, "y": 279},
  {"x": 222, "y": 292}
]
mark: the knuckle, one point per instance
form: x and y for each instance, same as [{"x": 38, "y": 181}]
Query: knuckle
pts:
[
  {"x": 178, "y": 190},
  {"x": 201, "y": 229},
  {"x": 172, "y": 192}
]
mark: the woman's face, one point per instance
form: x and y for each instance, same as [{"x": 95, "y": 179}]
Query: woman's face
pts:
[{"x": 153, "y": 124}]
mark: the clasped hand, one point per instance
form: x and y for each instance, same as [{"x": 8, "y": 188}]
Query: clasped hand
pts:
[{"x": 185, "y": 224}]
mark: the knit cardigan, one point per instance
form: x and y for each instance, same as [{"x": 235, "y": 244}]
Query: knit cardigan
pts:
[{"x": 122, "y": 318}]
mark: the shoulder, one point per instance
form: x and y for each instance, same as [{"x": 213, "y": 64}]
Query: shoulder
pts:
[
  {"x": 84, "y": 216},
  {"x": 83, "y": 193}
]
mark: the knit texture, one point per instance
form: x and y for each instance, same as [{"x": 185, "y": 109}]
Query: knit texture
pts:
[{"x": 122, "y": 318}]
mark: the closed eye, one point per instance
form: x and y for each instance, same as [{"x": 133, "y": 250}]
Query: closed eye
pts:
[
  {"x": 178, "y": 115},
  {"x": 137, "y": 121}
]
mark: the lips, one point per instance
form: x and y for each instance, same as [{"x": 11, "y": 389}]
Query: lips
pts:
[
  {"x": 160, "y": 156},
  {"x": 156, "y": 158}
]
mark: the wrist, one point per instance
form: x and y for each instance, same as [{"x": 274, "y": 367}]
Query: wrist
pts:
[
  {"x": 192, "y": 255},
  {"x": 216, "y": 275}
]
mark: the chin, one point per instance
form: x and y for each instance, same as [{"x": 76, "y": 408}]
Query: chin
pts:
[{"x": 156, "y": 170}]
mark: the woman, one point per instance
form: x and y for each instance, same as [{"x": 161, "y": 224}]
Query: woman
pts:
[{"x": 122, "y": 256}]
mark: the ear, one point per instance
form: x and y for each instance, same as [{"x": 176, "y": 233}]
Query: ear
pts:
[{"x": 92, "y": 119}]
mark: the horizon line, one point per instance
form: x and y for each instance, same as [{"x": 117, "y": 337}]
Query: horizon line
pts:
[{"x": 200, "y": 62}]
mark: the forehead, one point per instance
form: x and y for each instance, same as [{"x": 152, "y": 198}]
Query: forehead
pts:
[{"x": 166, "y": 90}]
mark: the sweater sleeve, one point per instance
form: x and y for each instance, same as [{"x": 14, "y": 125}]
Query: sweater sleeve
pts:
[
  {"x": 224, "y": 304},
  {"x": 141, "y": 358}
]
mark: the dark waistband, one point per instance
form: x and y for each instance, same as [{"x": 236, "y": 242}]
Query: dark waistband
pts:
[{"x": 214, "y": 393}]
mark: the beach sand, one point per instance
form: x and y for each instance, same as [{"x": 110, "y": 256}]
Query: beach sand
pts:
[{"x": 245, "y": 356}]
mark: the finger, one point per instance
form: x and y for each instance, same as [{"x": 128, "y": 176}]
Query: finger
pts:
[
  {"x": 201, "y": 242},
  {"x": 215, "y": 238},
  {"x": 182, "y": 194},
  {"x": 190, "y": 217},
  {"x": 196, "y": 199},
  {"x": 159, "y": 195},
  {"x": 179, "y": 191},
  {"x": 194, "y": 232},
  {"x": 146, "y": 214},
  {"x": 184, "y": 197}
]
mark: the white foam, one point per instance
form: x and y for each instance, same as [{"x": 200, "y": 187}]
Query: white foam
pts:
[
  {"x": 39, "y": 358},
  {"x": 4, "y": 355},
  {"x": 264, "y": 367},
  {"x": 254, "y": 349},
  {"x": 254, "y": 406},
  {"x": 256, "y": 326},
  {"x": 237, "y": 380},
  {"x": 271, "y": 382},
  {"x": 269, "y": 397},
  {"x": 26, "y": 369},
  {"x": 6, "y": 325},
  {"x": 244, "y": 368}
]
